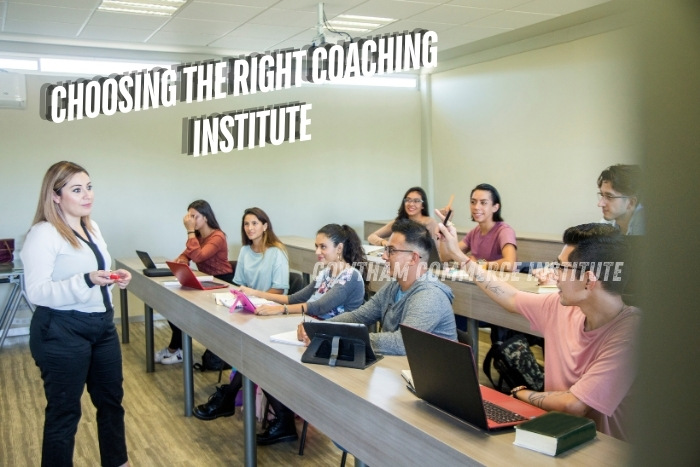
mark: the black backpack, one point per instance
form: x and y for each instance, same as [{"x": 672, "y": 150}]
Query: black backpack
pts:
[
  {"x": 212, "y": 362},
  {"x": 516, "y": 365}
]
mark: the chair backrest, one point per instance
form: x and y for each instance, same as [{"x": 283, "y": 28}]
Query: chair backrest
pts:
[
  {"x": 296, "y": 282},
  {"x": 464, "y": 338}
]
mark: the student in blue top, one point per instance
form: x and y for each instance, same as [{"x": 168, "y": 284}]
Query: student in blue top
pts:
[
  {"x": 263, "y": 265},
  {"x": 262, "y": 262}
]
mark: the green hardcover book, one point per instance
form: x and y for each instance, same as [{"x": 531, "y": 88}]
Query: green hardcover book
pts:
[{"x": 554, "y": 433}]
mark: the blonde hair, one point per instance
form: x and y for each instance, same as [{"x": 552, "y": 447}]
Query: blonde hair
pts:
[{"x": 55, "y": 179}]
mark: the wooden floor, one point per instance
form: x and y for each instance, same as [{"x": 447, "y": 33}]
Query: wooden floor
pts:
[{"x": 158, "y": 434}]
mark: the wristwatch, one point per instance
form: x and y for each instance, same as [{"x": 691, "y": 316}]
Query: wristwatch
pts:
[
  {"x": 514, "y": 391},
  {"x": 286, "y": 310}
]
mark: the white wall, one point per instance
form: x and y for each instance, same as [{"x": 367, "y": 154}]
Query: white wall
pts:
[
  {"x": 364, "y": 152},
  {"x": 540, "y": 126}
]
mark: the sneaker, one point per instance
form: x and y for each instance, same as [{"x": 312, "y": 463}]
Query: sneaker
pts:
[
  {"x": 173, "y": 358},
  {"x": 161, "y": 354}
]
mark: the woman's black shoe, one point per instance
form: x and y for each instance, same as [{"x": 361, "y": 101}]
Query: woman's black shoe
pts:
[
  {"x": 281, "y": 429},
  {"x": 221, "y": 404}
]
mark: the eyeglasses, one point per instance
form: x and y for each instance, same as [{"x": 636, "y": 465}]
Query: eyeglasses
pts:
[
  {"x": 412, "y": 201},
  {"x": 609, "y": 197},
  {"x": 390, "y": 250},
  {"x": 557, "y": 267}
]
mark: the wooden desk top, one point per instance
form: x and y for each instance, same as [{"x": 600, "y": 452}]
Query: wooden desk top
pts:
[{"x": 369, "y": 412}]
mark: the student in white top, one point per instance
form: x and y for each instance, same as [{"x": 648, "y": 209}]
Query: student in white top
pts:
[{"x": 72, "y": 335}]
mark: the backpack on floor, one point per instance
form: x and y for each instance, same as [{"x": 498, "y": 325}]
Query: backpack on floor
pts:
[
  {"x": 211, "y": 362},
  {"x": 516, "y": 365}
]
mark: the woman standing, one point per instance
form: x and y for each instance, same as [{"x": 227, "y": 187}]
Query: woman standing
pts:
[
  {"x": 72, "y": 335},
  {"x": 207, "y": 247}
]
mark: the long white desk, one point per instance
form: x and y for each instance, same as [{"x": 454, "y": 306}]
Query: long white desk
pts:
[
  {"x": 531, "y": 247},
  {"x": 369, "y": 412},
  {"x": 469, "y": 300}
]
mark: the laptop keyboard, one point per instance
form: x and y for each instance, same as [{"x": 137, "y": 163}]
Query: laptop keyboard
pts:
[{"x": 501, "y": 415}]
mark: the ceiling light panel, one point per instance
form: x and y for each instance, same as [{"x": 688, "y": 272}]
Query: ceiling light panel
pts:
[{"x": 142, "y": 7}]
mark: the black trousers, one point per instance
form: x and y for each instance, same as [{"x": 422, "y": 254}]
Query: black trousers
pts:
[{"x": 74, "y": 349}]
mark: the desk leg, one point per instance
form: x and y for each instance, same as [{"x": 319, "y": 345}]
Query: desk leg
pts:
[
  {"x": 473, "y": 330},
  {"x": 123, "y": 303},
  {"x": 251, "y": 452},
  {"x": 187, "y": 373},
  {"x": 148, "y": 320}
]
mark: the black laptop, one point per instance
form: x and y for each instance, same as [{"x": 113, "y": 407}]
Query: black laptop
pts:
[
  {"x": 443, "y": 373},
  {"x": 153, "y": 270}
]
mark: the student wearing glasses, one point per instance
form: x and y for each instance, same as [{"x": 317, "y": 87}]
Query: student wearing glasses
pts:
[
  {"x": 589, "y": 330},
  {"x": 619, "y": 198},
  {"x": 416, "y": 298},
  {"x": 414, "y": 206}
]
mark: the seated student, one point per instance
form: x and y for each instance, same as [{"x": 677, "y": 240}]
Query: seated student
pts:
[
  {"x": 207, "y": 247},
  {"x": 263, "y": 265},
  {"x": 414, "y": 206},
  {"x": 417, "y": 298},
  {"x": 590, "y": 332},
  {"x": 619, "y": 198},
  {"x": 339, "y": 287},
  {"x": 492, "y": 242}
]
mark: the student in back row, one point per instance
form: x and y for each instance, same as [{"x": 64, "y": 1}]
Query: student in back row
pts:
[
  {"x": 589, "y": 330},
  {"x": 619, "y": 198},
  {"x": 414, "y": 206},
  {"x": 492, "y": 242}
]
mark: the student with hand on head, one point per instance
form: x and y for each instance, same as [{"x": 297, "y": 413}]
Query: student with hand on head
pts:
[
  {"x": 207, "y": 247},
  {"x": 338, "y": 288},
  {"x": 416, "y": 298},
  {"x": 414, "y": 206},
  {"x": 72, "y": 335},
  {"x": 262, "y": 265},
  {"x": 492, "y": 242},
  {"x": 589, "y": 330},
  {"x": 619, "y": 198}
]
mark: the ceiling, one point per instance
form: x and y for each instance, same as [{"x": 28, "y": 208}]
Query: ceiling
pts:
[{"x": 232, "y": 27}]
